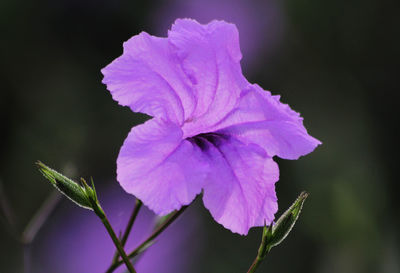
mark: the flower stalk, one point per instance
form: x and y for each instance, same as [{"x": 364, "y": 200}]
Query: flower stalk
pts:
[
  {"x": 150, "y": 240},
  {"x": 86, "y": 197},
  {"x": 92, "y": 197},
  {"x": 117, "y": 244},
  {"x": 274, "y": 234},
  {"x": 128, "y": 228},
  {"x": 262, "y": 251}
]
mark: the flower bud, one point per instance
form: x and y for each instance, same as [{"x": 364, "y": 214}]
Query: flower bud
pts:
[
  {"x": 66, "y": 186},
  {"x": 285, "y": 223}
]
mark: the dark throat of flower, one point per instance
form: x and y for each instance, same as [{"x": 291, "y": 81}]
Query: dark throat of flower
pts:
[{"x": 204, "y": 140}]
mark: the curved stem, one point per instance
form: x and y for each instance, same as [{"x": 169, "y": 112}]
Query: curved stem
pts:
[
  {"x": 257, "y": 261},
  {"x": 149, "y": 241},
  {"x": 128, "y": 228},
  {"x": 262, "y": 250},
  {"x": 118, "y": 245},
  {"x": 101, "y": 214}
]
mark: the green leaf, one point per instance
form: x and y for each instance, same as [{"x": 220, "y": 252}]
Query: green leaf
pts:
[
  {"x": 66, "y": 186},
  {"x": 285, "y": 223}
]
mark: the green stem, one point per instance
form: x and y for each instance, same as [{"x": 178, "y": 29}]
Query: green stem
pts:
[
  {"x": 128, "y": 228},
  {"x": 257, "y": 261},
  {"x": 99, "y": 212},
  {"x": 143, "y": 246},
  {"x": 262, "y": 250}
]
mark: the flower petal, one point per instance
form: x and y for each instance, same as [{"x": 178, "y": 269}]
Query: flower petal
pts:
[
  {"x": 210, "y": 57},
  {"x": 148, "y": 79},
  {"x": 160, "y": 168},
  {"x": 240, "y": 190},
  {"x": 262, "y": 119}
]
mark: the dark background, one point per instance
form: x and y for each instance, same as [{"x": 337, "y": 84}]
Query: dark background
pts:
[{"x": 336, "y": 62}]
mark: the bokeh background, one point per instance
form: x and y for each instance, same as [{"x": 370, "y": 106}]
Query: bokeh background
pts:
[{"x": 336, "y": 62}]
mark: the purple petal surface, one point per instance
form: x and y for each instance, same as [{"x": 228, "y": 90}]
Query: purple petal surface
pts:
[
  {"x": 148, "y": 79},
  {"x": 240, "y": 189},
  {"x": 262, "y": 119},
  {"x": 210, "y": 57},
  {"x": 160, "y": 168}
]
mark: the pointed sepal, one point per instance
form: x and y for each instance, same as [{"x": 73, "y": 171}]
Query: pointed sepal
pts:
[
  {"x": 281, "y": 229},
  {"x": 92, "y": 197},
  {"x": 66, "y": 186}
]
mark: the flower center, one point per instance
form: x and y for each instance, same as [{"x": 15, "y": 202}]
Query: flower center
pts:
[{"x": 205, "y": 139}]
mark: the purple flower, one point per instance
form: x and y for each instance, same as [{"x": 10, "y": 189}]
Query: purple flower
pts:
[{"x": 211, "y": 131}]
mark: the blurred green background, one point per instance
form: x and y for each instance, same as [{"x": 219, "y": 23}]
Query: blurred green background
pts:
[{"x": 336, "y": 62}]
